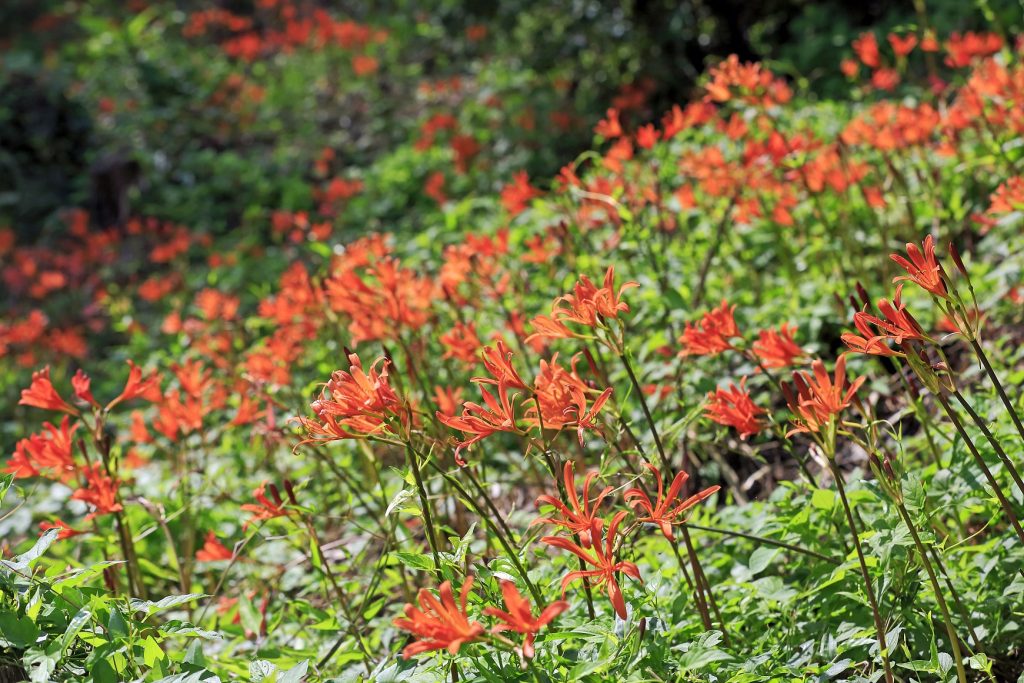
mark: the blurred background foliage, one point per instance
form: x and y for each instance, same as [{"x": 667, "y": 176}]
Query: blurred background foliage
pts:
[{"x": 114, "y": 107}]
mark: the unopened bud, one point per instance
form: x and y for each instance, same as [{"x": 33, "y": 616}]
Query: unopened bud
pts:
[
  {"x": 863, "y": 294},
  {"x": 955, "y": 255}
]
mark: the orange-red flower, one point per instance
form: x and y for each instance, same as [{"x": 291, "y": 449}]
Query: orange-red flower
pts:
[
  {"x": 712, "y": 334},
  {"x": 353, "y": 404},
  {"x": 498, "y": 415},
  {"x": 461, "y": 342},
  {"x": 41, "y": 394},
  {"x": 80, "y": 383},
  {"x": 517, "y": 195},
  {"x": 497, "y": 360},
  {"x": 778, "y": 349},
  {"x": 66, "y": 531},
  {"x": 138, "y": 386},
  {"x": 439, "y": 624},
  {"x": 518, "y": 616},
  {"x": 733, "y": 407},
  {"x": 580, "y": 517},
  {"x": 818, "y": 396},
  {"x": 213, "y": 549},
  {"x": 922, "y": 268},
  {"x": 668, "y": 509},
  {"x": 265, "y": 507},
  {"x": 602, "y": 558},
  {"x": 100, "y": 491},
  {"x": 1008, "y": 197},
  {"x": 49, "y": 453}
]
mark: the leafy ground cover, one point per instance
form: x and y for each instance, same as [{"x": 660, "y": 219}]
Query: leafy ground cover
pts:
[{"x": 735, "y": 395}]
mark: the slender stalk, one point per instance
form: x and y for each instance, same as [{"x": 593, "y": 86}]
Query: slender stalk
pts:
[
  {"x": 709, "y": 256},
  {"x": 513, "y": 556},
  {"x": 999, "y": 386},
  {"x": 766, "y": 541},
  {"x": 993, "y": 484},
  {"x": 956, "y": 596},
  {"x": 424, "y": 503},
  {"x": 697, "y": 587},
  {"x": 876, "y": 615},
  {"x": 700, "y": 580},
  {"x": 1007, "y": 463},
  {"x": 954, "y": 641}
]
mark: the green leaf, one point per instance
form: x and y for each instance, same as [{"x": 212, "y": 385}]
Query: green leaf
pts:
[
  {"x": 150, "y": 607},
  {"x": 20, "y": 631},
  {"x": 761, "y": 558},
  {"x": 75, "y": 626},
  {"x": 22, "y": 562},
  {"x": 250, "y": 616},
  {"x": 151, "y": 651},
  {"x": 823, "y": 499},
  {"x": 416, "y": 561}
]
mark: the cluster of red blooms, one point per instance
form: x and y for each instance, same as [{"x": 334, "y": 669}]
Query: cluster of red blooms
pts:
[
  {"x": 316, "y": 29},
  {"x": 51, "y": 453}
]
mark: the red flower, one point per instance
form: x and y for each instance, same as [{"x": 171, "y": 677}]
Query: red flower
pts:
[
  {"x": 138, "y": 386},
  {"x": 49, "y": 453},
  {"x": 100, "y": 491},
  {"x": 264, "y": 508},
  {"x": 65, "y": 530},
  {"x": 602, "y": 558},
  {"x": 922, "y": 268},
  {"x": 902, "y": 46},
  {"x": 866, "y": 47},
  {"x": 519, "y": 616},
  {"x": 668, "y": 509},
  {"x": 497, "y": 360},
  {"x": 868, "y": 342},
  {"x": 609, "y": 127},
  {"x": 41, "y": 394},
  {"x": 481, "y": 421},
  {"x": 213, "y": 550},
  {"x": 352, "y": 404},
  {"x": 461, "y": 342},
  {"x": 732, "y": 407},
  {"x": 588, "y": 303},
  {"x": 819, "y": 397},
  {"x": 581, "y": 515},
  {"x": 80, "y": 383},
  {"x": 712, "y": 334},
  {"x": 777, "y": 349},
  {"x": 439, "y": 624},
  {"x": 516, "y": 196}
]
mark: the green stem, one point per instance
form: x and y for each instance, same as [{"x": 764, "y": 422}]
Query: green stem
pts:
[
  {"x": 999, "y": 387},
  {"x": 954, "y": 641},
  {"x": 1007, "y": 463},
  {"x": 876, "y": 615},
  {"x": 425, "y": 504}
]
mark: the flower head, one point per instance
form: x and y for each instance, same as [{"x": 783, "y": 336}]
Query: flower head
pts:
[
  {"x": 819, "y": 397},
  {"x": 601, "y": 556},
  {"x": 213, "y": 550},
  {"x": 580, "y": 516},
  {"x": 712, "y": 334},
  {"x": 265, "y": 507},
  {"x": 668, "y": 509},
  {"x": 733, "y": 407},
  {"x": 778, "y": 349},
  {"x": 41, "y": 394},
  {"x": 439, "y": 624},
  {"x": 480, "y": 421},
  {"x": 100, "y": 491},
  {"x": 922, "y": 267},
  {"x": 518, "y": 616}
]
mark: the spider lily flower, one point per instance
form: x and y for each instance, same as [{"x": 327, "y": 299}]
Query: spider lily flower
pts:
[
  {"x": 897, "y": 323},
  {"x": 733, "y": 407},
  {"x": 461, "y": 343},
  {"x": 49, "y": 453},
  {"x": 601, "y": 556},
  {"x": 777, "y": 348},
  {"x": 213, "y": 550},
  {"x": 819, "y": 397},
  {"x": 439, "y": 624},
  {"x": 100, "y": 491},
  {"x": 580, "y": 516},
  {"x": 65, "y": 530},
  {"x": 922, "y": 267},
  {"x": 352, "y": 404},
  {"x": 587, "y": 305},
  {"x": 497, "y": 360},
  {"x": 518, "y": 616},
  {"x": 667, "y": 509},
  {"x": 81, "y": 385},
  {"x": 137, "y": 386},
  {"x": 586, "y": 418},
  {"x": 712, "y": 334},
  {"x": 480, "y": 421},
  {"x": 41, "y": 394},
  {"x": 265, "y": 507}
]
